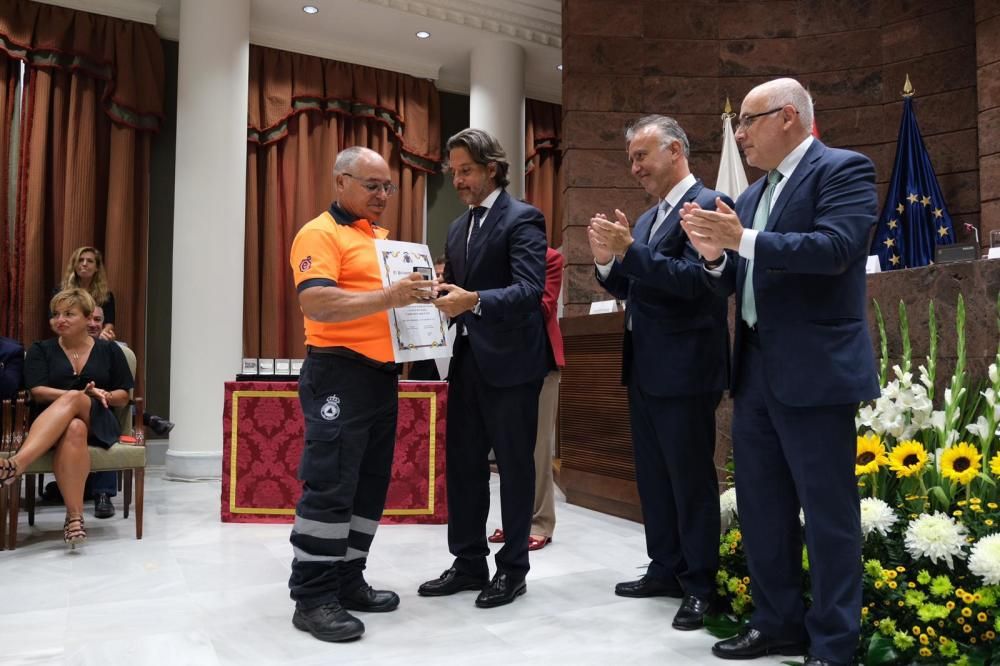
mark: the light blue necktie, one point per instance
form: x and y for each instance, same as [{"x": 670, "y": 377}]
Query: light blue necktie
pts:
[{"x": 759, "y": 222}]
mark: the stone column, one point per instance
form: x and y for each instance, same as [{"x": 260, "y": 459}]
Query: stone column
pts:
[
  {"x": 209, "y": 228},
  {"x": 496, "y": 101}
]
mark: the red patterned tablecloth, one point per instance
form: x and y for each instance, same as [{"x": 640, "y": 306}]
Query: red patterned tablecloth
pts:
[{"x": 263, "y": 439}]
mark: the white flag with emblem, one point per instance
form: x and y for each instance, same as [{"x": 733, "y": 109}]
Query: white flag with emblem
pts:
[{"x": 732, "y": 177}]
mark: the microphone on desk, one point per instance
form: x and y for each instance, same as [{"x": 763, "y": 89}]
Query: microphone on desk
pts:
[{"x": 969, "y": 227}]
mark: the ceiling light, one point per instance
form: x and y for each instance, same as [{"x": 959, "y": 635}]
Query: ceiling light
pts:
[
  {"x": 310, "y": 9},
  {"x": 423, "y": 34}
]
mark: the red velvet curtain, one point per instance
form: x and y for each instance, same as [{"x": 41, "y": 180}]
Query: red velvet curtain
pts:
[
  {"x": 303, "y": 111},
  {"x": 543, "y": 160},
  {"x": 93, "y": 98},
  {"x": 10, "y": 259}
]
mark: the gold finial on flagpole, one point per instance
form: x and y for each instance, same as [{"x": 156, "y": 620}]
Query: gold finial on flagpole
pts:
[
  {"x": 908, "y": 87},
  {"x": 727, "y": 112}
]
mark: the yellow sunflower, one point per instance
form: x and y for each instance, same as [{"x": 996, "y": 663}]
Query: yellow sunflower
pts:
[
  {"x": 960, "y": 463},
  {"x": 871, "y": 455},
  {"x": 907, "y": 458},
  {"x": 995, "y": 467}
]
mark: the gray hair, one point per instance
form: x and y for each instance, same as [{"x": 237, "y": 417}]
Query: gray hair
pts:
[
  {"x": 789, "y": 91},
  {"x": 669, "y": 129},
  {"x": 348, "y": 158},
  {"x": 483, "y": 149}
]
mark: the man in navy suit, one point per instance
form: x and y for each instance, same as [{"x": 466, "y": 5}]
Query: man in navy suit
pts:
[
  {"x": 494, "y": 274},
  {"x": 802, "y": 362},
  {"x": 675, "y": 364}
]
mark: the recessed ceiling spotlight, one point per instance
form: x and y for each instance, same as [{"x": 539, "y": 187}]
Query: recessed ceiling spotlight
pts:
[
  {"x": 423, "y": 34},
  {"x": 311, "y": 9},
  {"x": 559, "y": 67}
]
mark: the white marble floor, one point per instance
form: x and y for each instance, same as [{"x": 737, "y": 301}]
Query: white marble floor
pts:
[{"x": 200, "y": 592}]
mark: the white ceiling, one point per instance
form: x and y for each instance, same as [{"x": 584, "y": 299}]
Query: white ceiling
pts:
[{"x": 381, "y": 33}]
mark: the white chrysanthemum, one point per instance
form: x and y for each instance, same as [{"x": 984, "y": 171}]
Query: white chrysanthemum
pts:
[
  {"x": 727, "y": 508},
  {"x": 727, "y": 503},
  {"x": 984, "y": 561},
  {"x": 876, "y": 516},
  {"x": 937, "y": 537}
]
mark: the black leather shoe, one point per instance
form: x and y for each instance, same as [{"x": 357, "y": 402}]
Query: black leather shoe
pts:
[
  {"x": 816, "y": 661},
  {"x": 691, "y": 614},
  {"x": 103, "y": 508},
  {"x": 160, "y": 425},
  {"x": 647, "y": 586},
  {"x": 752, "y": 644},
  {"x": 502, "y": 590},
  {"x": 366, "y": 599},
  {"x": 451, "y": 581},
  {"x": 329, "y": 622}
]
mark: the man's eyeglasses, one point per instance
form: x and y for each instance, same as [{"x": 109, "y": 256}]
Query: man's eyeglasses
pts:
[
  {"x": 744, "y": 122},
  {"x": 373, "y": 186}
]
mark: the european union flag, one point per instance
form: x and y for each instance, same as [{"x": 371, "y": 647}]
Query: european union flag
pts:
[{"x": 914, "y": 217}]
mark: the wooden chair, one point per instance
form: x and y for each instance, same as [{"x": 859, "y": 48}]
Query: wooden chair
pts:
[
  {"x": 128, "y": 458},
  {"x": 13, "y": 427}
]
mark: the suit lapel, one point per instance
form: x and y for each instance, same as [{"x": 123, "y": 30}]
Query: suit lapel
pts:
[
  {"x": 746, "y": 211},
  {"x": 805, "y": 167},
  {"x": 457, "y": 234},
  {"x": 674, "y": 216},
  {"x": 643, "y": 224},
  {"x": 496, "y": 212}
]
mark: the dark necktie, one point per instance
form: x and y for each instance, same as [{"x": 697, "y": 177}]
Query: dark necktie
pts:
[{"x": 475, "y": 221}]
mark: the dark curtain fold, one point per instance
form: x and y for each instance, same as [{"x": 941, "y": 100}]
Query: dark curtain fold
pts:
[
  {"x": 10, "y": 257},
  {"x": 543, "y": 161},
  {"x": 303, "y": 110},
  {"x": 93, "y": 98}
]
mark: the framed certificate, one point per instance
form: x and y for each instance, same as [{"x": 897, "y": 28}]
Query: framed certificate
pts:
[{"x": 419, "y": 331}]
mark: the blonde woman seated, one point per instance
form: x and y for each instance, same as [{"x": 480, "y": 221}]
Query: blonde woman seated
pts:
[{"x": 82, "y": 378}]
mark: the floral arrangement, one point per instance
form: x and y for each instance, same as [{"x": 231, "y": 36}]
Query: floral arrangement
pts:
[{"x": 929, "y": 481}]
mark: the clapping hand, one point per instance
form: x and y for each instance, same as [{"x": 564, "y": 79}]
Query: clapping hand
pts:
[
  {"x": 712, "y": 231},
  {"x": 609, "y": 239}
]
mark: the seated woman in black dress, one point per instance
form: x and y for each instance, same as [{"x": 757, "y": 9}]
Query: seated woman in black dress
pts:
[{"x": 82, "y": 378}]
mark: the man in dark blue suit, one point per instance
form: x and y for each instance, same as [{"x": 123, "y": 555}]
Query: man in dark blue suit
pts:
[
  {"x": 494, "y": 274},
  {"x": 675, "y": 364},
  {"x": 802, "y": 362}
]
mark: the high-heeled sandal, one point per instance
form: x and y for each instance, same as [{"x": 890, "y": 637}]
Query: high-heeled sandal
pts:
[
  {"x": 8, "y": 471},
  {"x": 74, "y": 533}
]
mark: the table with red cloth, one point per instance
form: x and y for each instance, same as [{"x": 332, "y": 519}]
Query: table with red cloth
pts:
[{"x": 262, "y": 443}]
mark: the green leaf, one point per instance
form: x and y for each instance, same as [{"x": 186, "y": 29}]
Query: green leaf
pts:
[
  {"x": 938, "y": 493},
  {"x": 880, "y": 651},
  {"x": 721, "y": 625}
]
